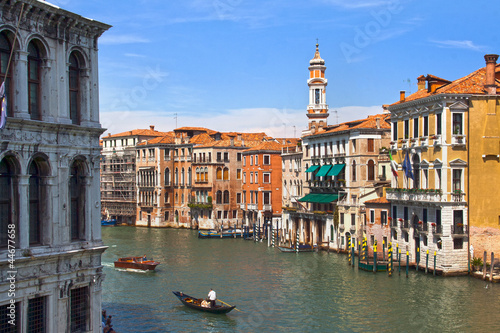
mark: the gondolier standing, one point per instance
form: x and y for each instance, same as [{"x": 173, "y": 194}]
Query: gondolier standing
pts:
[{"x": 212, "y": 297}]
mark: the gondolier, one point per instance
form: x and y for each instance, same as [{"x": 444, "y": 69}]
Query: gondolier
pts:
[{"x": 212, "y": 296}]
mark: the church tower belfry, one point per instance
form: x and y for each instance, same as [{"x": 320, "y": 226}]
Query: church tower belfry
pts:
[{"x": 317, "y": 110}]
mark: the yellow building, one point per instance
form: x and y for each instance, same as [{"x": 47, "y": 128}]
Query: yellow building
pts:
[{"x": 446, "y": 145}]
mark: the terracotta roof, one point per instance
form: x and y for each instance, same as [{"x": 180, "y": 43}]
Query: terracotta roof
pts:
[
  {"x": 367, "y": 123},
  {"x": 199, "y": 129},
  {"x": 469, "y": 84},
  {"x": 143, "y": 132},
  {"x": 268, "y": 145},
  {"x": 382, "y": 200},
  {"x": 166, "y": 139},
  {"x": 201, "y": 139}
]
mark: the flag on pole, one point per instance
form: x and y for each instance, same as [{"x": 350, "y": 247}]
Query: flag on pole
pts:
[
  {"x": 407, "y": 167},
  {"x": 394, "y": 165},
  {"x": 3, "y": 106}
]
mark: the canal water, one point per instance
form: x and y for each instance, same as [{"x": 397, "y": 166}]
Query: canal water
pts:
[{"x": 280, "y": 292}]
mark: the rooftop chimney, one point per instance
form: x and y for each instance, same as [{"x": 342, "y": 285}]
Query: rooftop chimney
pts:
[
  {"x": 377, "y": 121},
  {"x": 490, "y": 85},
  {"x": 421, "y": 82},
  {"x": 402, "y": 96},
  {"x": 231, "y": 140},
  {"x": 152, "y": 127}
]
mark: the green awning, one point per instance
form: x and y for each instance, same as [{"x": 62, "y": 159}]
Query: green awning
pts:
[
  {"x": 324, "y": 170},
  {"x": 336, "y": 169},
  {"x": 319, "y": 198},
  {"x": 312, "y": 168}
]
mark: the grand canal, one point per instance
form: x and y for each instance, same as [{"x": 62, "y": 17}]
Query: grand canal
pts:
[{"x": 280, "y": 292}]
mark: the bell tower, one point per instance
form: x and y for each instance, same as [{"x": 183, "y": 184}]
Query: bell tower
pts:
[{"x": 317, "y": 110}]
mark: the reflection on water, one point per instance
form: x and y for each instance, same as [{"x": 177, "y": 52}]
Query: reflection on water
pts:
[{"x": 279, "y": 291}]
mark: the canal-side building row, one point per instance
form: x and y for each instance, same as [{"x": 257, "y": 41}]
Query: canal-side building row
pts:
[
  {"x": 49, "y": 170},
  {"x": 118, "y": 176},
  {"x": 445, "y": 140},
  {"x": 343, "y": 165},
  {"x": 192, "y": 178}
]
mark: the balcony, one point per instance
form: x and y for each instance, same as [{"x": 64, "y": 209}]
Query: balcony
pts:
[
  {"x": 424, "y": 141},
  {"x": 423, "y": 227},
  {"x": 394, "y": 145},
  {"x": 459, "y": 230},
  {"x": 421, "y": 195},
  {"x": 437, "y": 140},
  {"x": 458, "y": 196},
  {"x": 458, "y": 140},
  {"x": 437, "y": 229},
  {"x": 252, "y": 206},
  {"x": 404, "y": 143},
  {"x": 352, "y": 229},
  {"x": 405, "y": 224},
  {"x": 243, "y": 206},
  {"x": 267, "y": 208},
  {"x": 413, "y": 142},
  {"x": 341, "y": 226},
  {"x": 394, "y": 223}
]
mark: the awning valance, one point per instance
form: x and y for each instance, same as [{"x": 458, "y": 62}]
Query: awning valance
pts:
[
  {"x": 312, "y": 168},
  {"x": 319, "y": 198},
  {"x": 335, "y": 170},
  {"x": 324, "y": 170}
]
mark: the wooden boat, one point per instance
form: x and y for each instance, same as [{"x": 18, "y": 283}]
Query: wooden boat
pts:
[
  {"x": 108, "y": 222},
  {"x": 302, "y": 248},
  {"x": 229, "y": 233},
  {"x": 368, "y": 266},
  {"x": 136, "y": 263},
  {"x": 195, "y": 303}
]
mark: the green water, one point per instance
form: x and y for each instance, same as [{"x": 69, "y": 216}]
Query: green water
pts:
[{"x": 280, "y": 292}]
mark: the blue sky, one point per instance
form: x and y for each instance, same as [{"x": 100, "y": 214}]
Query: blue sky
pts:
[{"x": 242, "y": 65}]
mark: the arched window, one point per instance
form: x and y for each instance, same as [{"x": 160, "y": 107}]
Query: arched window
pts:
[
  {"x": 182, "y": 177},
  {"x": 371, "y": 170},
  {"x": 219, "y": 197},
  {"x": 353, "y": 171},
  {"x": 189, "y": 177},
  {"x": 226, "y": 174},
  {"x": 219, "y": 173},
  {"x": 35, "y": 209},
  {"x": 8, "y": 199},
  {"x": 205, "y": 176},
  {"x": 176, "y": 176},
  {"x": 226, "y": 197},
  {"x": 167, "y": 176},
  {"x": 74, "y": 89},
  {"x": 5, "y": 47},
  {"x": 77, "y": 201},
  {"x": 34, "y": 60}
]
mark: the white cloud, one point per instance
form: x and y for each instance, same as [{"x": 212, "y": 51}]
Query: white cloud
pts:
[
  {"x": 272, "y": 121},
  {"x": 459, "y": 44},
  {"x": 121, "y": 39},
  {"x": 355, "y": 4}
]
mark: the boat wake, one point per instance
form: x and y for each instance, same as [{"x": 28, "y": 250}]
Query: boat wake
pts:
[{"x": 133, "y": 270}]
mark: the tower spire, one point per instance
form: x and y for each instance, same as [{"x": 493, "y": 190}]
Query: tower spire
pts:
[{"x": 317, "y": 110}]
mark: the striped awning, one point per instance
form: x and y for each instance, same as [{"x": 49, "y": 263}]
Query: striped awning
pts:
[
  {"x": 324, "y": 170},
  {"x": 335, "y": 170},
  {"x": 312, "y": 168}
]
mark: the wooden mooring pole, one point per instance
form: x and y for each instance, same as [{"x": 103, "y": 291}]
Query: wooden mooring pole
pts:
[{"x": 491, "y": 266}]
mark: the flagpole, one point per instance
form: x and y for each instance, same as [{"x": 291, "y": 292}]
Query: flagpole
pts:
[{"x": 13, "y": 44}]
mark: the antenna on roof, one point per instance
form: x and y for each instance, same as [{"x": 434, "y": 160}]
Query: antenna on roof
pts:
[{"x": 409, "y": 85}]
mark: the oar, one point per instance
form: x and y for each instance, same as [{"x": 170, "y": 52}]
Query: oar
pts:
[{"x": 228, "y": 305}]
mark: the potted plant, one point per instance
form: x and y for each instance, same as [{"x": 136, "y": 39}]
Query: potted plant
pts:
[{"x": 476, "y": 263}]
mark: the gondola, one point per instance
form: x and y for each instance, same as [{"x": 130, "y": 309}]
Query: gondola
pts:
[{"x": 195, "y": 303}]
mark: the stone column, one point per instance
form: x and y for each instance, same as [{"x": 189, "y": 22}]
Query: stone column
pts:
[
  {"x": 20, "y": 81},
  {"x": 23, "y": 231}
]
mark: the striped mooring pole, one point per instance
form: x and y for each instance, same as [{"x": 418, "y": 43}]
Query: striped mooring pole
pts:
[
  {"x": 364, "y": 249},
  {"x": 274, "y": 235},
  {"x": 297, "y": 243},
  {"x": 352, "y": 256},
  {"x": 434, "y": 272},
  {"x": 427, "y": 261},
  {"x": 418, "y": 258},
  {"x": 389, "y": 257},
  {"x": 349, "y": 250}
]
